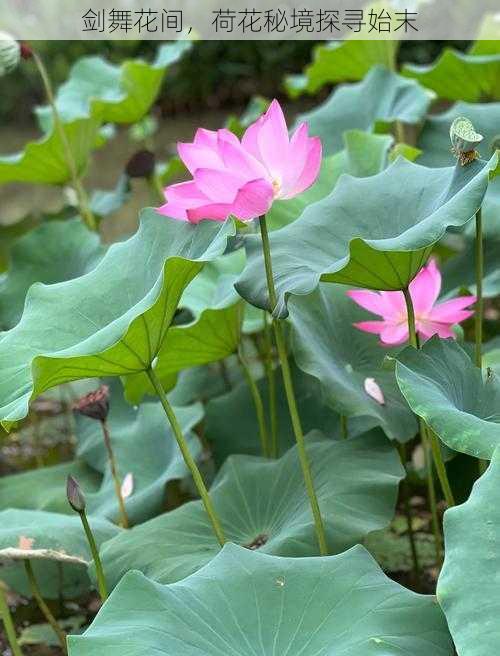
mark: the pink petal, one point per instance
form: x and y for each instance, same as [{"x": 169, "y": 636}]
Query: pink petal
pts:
[
  {"x": 371, "y": 326},
  {"x": 205, "y": 137},
  {"x": 394, "y": 334},
  {"x": 236, "y": 158},
  {"x": 425, "y": 288},
  {"x": 372, "y": 388},
  {"x": 218, "y": 186},
  {"x": 197, "y": 156},
  {"x": 185, "y": 193},
  {"x": 252, "y": 200},
  {"x": 452, "y": 311},
  {"x": 273, "y": 142},
  {"x": 298, "y": 153},
  {"x": 371, "y": 301},
  {"x": 249, "y": 141},
  {"x": 173, "y": 211},
  {"x": 429, "y": 328},
  {"x": 311, "y": 168}
]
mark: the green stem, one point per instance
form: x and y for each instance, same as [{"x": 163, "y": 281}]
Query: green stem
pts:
[
  {"x": 81, "y": 194},
  {"x": 188, "y": 458},
  {"x": 478, "y": 316},
  {"x": 271, "y": 382},
  {"x": 432, "y": 439},
  {"x": 440, "y": 467},
  {"x": 405, "y": 490},
  {"x": 431, "y": 491},
  {"x": 344, "y": 431},
  {"x": 155, "y": 185},
  {"x": 259, "y": 407},
  {"x": 114, "y": 475},
  {"x": 99, "y": 570},
  {"x": 6, "y": 617},
  {"x": 47, "y": 613},
  {"x": 290, "y": 394}
]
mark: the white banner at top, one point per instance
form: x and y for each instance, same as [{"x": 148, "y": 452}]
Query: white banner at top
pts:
[{"x": 252, "y": 20}]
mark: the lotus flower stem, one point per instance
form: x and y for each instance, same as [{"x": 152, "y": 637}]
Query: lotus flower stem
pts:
[
  {"x": 406, "y": 503},
  {"x": 99, "y": 570},
  {"x": 271, "y": 381},
  {"x": 6, "y": 617},
  {"x": 478, "y": 317},
  {"x": 344, "y": 431},
  {"x": 114, "y": 474},
  {"x": 290, "y": 394},
  {"x": 81, "y": 194},
  {"x": 431, "y": 491},
  {"x": 188, "y": 458},
  {"x": 428, "y": 435},
  {"x": 259, "y": 406},
  {"x": 47, "y": 613}
]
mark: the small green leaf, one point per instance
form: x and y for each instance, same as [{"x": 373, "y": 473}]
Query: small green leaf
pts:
[
  {"x": 55, "y": 544},
  {"x": 261, "y": 505},
  {"x": 444, "y": 387},
  {"x": 110, "y": 322},
  {"x": 327, "y": 346},
  {"x": 245, "y": 603},
  {"x": 455, "y": 76},
  {"x": 51, "y": 253},
  {"x": 380, "y": 100},
  {"x": 468, "y": 584},
  {"x": 373, "y": 232}
]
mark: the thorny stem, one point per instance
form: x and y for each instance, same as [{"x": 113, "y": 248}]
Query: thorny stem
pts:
[
  {"x": 99, "y": 570},
  {"x": 290, "y": 394},
  {"x": 257, "y": 400},
  {"x": 114, "y": 475},
  {"x": 6, "y": 617},
  {"x": 47, "y": 613},
  {"x": 81, "y": 194},
  {"x": 188, "y": 458}
]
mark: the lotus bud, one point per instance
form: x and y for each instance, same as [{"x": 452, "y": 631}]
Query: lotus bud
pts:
[
  {"x": 141, "y": 165},
  {"x": 10, "y": 53},
  {"x": 464, "y": 140},
  {"x": 76, "y": 498},
  {"x": 95, "y": 404}
]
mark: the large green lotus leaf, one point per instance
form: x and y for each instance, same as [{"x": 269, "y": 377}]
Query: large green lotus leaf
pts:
[
  {"x": 144, "y": 446},
  {"x": 213, "y": 333},
  {"x": 115, "y": 94},
  {"x": 236, "y": 408},
  {"x": 468, "y": 586},
  {"x": 444, "y": 387},
  {"x": 59, "y": 551},
  {"x": 363, "y": 154},
  {"x": 261, "y": 504},
  {"x": 455, "y": 76},
  {"x": 53, "y": 252},
  {"x": 44, "y": 161},
  {"x": 342, "y": 61},
  {"x": 111, "y": 321},
  {"x": 10, "y": 233},
  {"x": 381, "y": 99},
  {"x": 373, "y": 232},
  {"x": 327, "y": 346},
  {"x": 434, "y": 139},
  {"x": 246, "y": 603},
  {"x": 45, "y": 488}
]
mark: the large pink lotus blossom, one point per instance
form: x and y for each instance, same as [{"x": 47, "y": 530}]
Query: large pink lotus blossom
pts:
[
  {"x": 243, "y": 178},
  {"x": 431, "y": 318}
]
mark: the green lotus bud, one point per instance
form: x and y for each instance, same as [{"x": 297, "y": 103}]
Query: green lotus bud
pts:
[
  {"x": 10, "y": 53},
  {"x": 76, "y": 498},
  {"x": 463, "y": 136}
]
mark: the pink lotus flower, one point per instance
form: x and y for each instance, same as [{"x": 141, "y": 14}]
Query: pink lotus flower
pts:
[
  {"x": 243, "y": 178},
  {"x": 431, "y": 318}
]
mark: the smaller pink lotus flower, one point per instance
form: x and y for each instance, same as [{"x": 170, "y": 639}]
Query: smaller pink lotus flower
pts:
[
  {"x": 431, "y": 318},
  {"x": 243, "y": 178}
]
